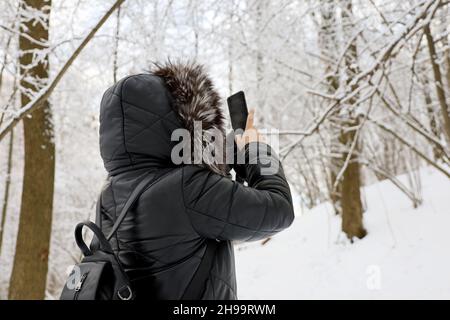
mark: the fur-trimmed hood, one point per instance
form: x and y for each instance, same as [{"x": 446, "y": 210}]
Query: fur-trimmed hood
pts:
[
  {"x": 194, "y": 99},
  {"x": 139, "y": 114}
]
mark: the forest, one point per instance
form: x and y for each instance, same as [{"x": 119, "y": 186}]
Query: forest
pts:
[{"x": 357, "y": 91}]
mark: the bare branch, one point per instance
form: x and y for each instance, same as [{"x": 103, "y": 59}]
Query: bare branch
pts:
[
  {"x": 422, "y": 155},
  {"x": 45, "y": 93}
]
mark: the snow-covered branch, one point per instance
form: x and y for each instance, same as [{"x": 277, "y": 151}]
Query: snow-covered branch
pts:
[{"x": 45, "y": 93}]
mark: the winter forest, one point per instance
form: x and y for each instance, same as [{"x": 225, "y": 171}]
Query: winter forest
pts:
[{"x": 359, "y": 91}]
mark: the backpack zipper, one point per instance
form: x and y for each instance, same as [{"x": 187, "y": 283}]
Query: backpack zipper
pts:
[{"x": 79, "y": 285}]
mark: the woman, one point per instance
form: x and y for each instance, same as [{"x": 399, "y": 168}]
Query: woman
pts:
[{"x": 163, "y": 239}]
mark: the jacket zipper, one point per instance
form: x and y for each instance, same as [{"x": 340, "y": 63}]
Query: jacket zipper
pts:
[{"x": 79, "y": 285}]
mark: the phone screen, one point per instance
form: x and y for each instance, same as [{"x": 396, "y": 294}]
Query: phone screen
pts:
[{"x": 238, "y": 110}]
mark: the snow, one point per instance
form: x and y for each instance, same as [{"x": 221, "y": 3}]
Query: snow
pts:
[{"x": 404, "y": 256}]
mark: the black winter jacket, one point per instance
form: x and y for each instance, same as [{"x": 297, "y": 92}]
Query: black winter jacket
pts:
[{"x": 162, "y": 240}]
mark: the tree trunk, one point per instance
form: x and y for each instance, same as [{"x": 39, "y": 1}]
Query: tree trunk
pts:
[
  {"x": 28, "y": 280},
  {"x": 351, "y": 205},
  {"x": 437, "y": 152},
  {"x": 230, "y": 60},
  {"x": 345, "y": 191},
  {"x": 261, "y": 7},
  {"x": 350, "y": 184},
  {"x": 439, "y": 84},
  {"x": 7, "y": 187},
  {"x": 116, "y": 47},
  {"x": 446, "y": 44},
  {"x": 327, "y": 44}
]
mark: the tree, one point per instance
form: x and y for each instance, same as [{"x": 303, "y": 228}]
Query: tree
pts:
[
  {"x": 345, "y": 177},
  {"x": 30, "y": 267},
  {"x": 12, "y": 100},
  {"x": 7, "y": 187},
  {"x": 350, "y": 184},
  {"x": 327, "y": 43},
  {"x": 438, "y": 82}
]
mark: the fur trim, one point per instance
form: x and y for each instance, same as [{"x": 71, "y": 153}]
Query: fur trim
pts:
[{"x": 195, "y": 99}]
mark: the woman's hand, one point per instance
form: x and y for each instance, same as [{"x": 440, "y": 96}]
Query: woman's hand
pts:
[{"x": 250, "y": 134}]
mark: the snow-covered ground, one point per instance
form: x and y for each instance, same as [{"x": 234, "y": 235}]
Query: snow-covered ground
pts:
[{"x": 406, "y": 254}]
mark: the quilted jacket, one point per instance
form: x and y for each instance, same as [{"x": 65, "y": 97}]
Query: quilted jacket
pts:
[{"x": 163, "y": 238}]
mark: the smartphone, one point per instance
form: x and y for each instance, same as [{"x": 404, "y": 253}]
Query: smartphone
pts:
[{"x": 238, "y": 110}]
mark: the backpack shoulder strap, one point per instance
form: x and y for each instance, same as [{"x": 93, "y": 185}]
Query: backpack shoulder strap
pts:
[
  {"x": 197, "y": 285},
  {"x": 146, "y": 182},
  {"x": 98, "y": 207},
  {"x": 98, "y": 211}
]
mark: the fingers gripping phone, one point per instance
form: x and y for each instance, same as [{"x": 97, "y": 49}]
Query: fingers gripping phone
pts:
[{"x": 238, "y": 110}]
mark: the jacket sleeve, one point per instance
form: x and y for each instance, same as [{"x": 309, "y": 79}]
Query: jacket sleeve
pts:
[{"x": 223, "y": 209}]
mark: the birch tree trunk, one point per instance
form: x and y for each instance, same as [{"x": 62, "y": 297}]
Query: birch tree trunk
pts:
[{"x": 28, "y": 279}]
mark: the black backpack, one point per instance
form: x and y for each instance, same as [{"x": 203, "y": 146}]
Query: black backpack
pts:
[{"x": 100, "y": 275}]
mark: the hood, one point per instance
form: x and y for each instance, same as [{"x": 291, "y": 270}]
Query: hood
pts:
[{"x": 139, "y": 114}]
